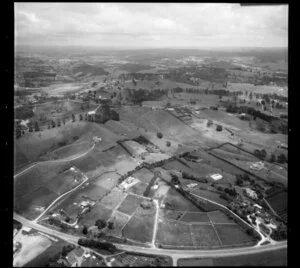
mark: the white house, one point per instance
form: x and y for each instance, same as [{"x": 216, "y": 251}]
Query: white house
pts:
[{"x": 216, "y": 176}]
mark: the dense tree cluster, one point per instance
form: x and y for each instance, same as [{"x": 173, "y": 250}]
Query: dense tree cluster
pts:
[{"x": 90, "y": 243}]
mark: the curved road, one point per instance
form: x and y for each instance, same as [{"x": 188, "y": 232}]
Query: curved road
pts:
[
  {"x": 55, "y": 161},
  {"x": 175, "y": 254}
]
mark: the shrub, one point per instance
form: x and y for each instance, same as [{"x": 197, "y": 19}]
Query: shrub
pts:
[
  {"x": 159, "y": 135},
  {"x": 219, "y": 128},
  {"x": 100, "y": 224},
  {"x": 209, "y": 123}
]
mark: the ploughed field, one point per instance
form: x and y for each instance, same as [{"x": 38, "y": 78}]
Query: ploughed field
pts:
[{"x": 188, "y": 229}]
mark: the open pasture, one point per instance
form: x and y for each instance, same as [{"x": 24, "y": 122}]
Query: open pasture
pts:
[
  {"x": 213, "y": 196},
  {"x": 97, "y": 212},
  {"x": 130, "y": 204},
  {"x": 195, "y": 217},
  {"x": 144, "y": 175},
  {"x": 204, "y": 236},
  {"x": 197, "y": 262},
  {"x": 107, "y": 180},
  {"x": 32, "y": 246},
  {"x": 171, "y": 214},
  {"x": 37, "y": 188},
  {"x": 219, "y": 217},
  {"x": 31, "y": 147},
  {"x": 175, "y": 234},
  {"x": 31, "y": 205},
  {"x": 113, "y": 199},
  {"x": 233, "y": 234},
  {"x": 178, "y": 202},
  {"x": 119, "y": 221},
  {"x": 72, "y": 150},
  {"x": 71, "y": 205},
  {"x": 138, "y": 189},
  {"x": 93, "y": 160},
  {"x": 140, "y": 226}
]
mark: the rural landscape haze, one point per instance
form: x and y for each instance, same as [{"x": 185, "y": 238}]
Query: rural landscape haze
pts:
[{"x": 150, "y": 138}]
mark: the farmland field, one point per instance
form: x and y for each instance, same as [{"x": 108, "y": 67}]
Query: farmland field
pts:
[
  {"x": 279, "y": 203},
  {"x": 30, "y": 148},
  {"x": 195, "y": 217},
  {"x": 232, "y": 234},
  {"x": 71, "y": 204},
  {"x": 130, "y": 204},
  {"x": 107, "y": 180},
  {"x": 171, "y": 214},
  {"x": 210, "y": 196},
  {"x": 119, "y": 221},
  {"x": 270, "y": 258},
  {"x": 38, "y": 187},
  {"x": 140, "y": 226},
  {"x": 138, "y": 188},
  {"x": 198, "y": 262},
  {"x": 173, "y": 234},
  {"x": 44, "y": 258},
  {"x": 73, "y": 149},
  {"x": 32, "y": 246},
  {"x": 144, "y": 175},
  {"x": 219, "y": 217},
  {"x": 204, "y": 236},
  {"x": 97, "y": 212},
  {"x": 113, "y": 199}
]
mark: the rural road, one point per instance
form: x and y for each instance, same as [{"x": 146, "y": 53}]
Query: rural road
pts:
[
  {"x": 175, "y": 254},
  {"x": 56, "y": 161},
  {"x": 61, "y": 196}
]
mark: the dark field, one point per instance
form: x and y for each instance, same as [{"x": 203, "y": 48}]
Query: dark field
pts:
[
  {"x": 178, "y": 202},
  {"x": 195, "y": 217},
  {"x": 270, "y": 258},
  {"x": 205, "y": 236},
  {"x": 232, "y": 234},
  {"x": 219, "y": 217},
  {"x": 173, "y": 233},
  {"x": 130, "y": 204},
  {"x": 140, "y": 226}
]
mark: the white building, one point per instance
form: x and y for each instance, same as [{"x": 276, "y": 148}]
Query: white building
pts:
[
  {"x": 251, "y": 193},
  {"x": 216, "y": 176}
]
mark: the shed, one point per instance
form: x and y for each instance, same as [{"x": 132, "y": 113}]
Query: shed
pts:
[{"x": 216, "y": 177}]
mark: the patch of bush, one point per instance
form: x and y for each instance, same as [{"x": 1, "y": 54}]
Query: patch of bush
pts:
[{"x": 219, "y": 128}]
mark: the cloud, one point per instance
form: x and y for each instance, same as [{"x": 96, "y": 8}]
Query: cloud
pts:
[{"x": 144, "y": 24}]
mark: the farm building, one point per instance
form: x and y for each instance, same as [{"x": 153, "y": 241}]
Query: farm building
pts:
[
  {"x": 251, "y": 193},
  {"x": 191, "y": 185},
  {"x": 216, "y": 176},
  {"x": 257, "y": 166},
  {"x": 26, "y": 229}
]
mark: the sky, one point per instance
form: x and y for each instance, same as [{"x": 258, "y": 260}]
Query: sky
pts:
[{"x": 150, "y": 25}]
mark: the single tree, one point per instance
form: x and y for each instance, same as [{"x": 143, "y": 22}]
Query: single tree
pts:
[
  {"x": 100, "y": 224},
  {"x": 85, "y": 230},
  {"x": 80, "y": 117},
  {"x": 110, "y": 225},
  {"x": 281, "y": 159},
  {"x": 219, "y": 128},
  {"x": 36, "y": 126},
  {"x": 73, "y": 118},
  {"x": 159, "y": 135},
  {"x": 272, "y": 158}
]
